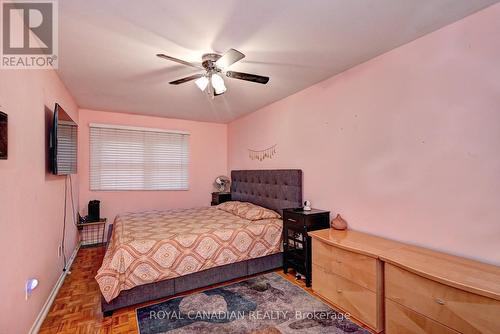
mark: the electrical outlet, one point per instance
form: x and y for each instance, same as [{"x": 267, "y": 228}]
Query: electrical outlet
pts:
[{"x": 59, "y": 250}]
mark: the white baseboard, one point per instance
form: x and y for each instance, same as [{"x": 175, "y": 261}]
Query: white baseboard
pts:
[{"x": 48, "y": 303}]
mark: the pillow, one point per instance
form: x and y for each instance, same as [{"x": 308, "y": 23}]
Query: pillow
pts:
[
  {"x": 254, "y": 212},
  {"x": 247, "y": 210},
  {"x": 229, "y": 206}
]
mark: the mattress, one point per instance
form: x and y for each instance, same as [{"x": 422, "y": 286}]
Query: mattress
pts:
[{"x": 152, "y": 246}]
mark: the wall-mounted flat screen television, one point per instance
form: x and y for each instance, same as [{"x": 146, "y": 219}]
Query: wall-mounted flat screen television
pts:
[{"x": 63, "y": 143}]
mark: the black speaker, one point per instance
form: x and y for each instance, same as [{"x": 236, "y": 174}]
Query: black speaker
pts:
[{"x": 94, "y": 211}]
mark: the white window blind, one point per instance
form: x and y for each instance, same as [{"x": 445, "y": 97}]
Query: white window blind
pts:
[{"x": 129, "y": 158}]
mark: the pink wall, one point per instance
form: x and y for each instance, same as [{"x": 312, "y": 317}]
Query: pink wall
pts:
[
  {"x": 405, "y": 145},
  {"x": 208, "y": 159},
  {"x": 31, "y": 200}
]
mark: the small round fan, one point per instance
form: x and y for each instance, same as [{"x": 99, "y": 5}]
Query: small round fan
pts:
[{"x": 222, "y": 184}]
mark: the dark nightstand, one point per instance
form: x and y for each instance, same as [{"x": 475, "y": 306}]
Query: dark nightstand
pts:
[
  {"x": 218, "y": 198},
  {"x": 296, "y": 241},
  {"x": 92, "y": 234}
]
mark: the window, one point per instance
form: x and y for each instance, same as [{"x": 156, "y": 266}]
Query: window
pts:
[{"x": 130, "y": 158}]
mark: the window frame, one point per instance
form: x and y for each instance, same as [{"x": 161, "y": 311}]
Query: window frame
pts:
[{"x": 139, "y": 129}]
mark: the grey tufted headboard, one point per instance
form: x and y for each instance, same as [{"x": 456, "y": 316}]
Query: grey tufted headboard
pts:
[{"x": 275, "y": 189}]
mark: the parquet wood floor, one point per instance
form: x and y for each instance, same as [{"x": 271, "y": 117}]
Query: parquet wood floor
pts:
[{"x": 77, "y": 309}]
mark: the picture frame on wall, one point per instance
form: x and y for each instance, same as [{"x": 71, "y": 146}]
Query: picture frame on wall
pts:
[{"x": 4, "y": 138}]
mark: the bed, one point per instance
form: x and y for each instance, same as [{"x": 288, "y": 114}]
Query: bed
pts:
[{"x": 157, "y": 254}]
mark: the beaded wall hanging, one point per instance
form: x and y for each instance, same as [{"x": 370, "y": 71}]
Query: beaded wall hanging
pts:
[{"x": 267, "y": 153}]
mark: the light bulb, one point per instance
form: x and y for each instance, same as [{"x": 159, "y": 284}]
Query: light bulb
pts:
[
  {"x": 202, "y": 83},
  {"x": 218, "y": 84}
]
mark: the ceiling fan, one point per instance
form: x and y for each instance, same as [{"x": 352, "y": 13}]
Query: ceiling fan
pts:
[{"x": 215, "y": 66}]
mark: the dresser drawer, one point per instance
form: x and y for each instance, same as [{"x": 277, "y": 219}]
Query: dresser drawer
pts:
[
  {"x": 324, "y": 282},
  {"x": 463, "y": 311},
  {"x": 357, "y": 268},
  {"x": 402, "y": 320},
  {"x": 322, "y": 255},
  {"x": 360, "y": 302}
]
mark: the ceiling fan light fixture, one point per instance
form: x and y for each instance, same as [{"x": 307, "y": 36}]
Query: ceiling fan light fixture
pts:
[
  {"x": 202, "y": 83},
  {"x": 218, "y": 84},
  {"x": 215, "y": 67}
]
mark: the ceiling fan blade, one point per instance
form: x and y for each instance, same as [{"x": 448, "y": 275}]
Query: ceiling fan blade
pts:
[
  {"x": 229, "y": 58},
  {"x": 180, "y": 61},
  {"x": 248, "y": 77},
  {"x": 186, "y": 79}
]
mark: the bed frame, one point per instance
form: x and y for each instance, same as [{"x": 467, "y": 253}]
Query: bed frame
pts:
[{"x": 272, "y": 189}]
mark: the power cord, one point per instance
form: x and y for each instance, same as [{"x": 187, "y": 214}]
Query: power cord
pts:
[
  {"x": 64, "y": 222},
  {"x": 73, "y": 212}
]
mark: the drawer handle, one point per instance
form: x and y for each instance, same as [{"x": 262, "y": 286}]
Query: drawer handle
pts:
[
  {"x": 338, "y": 261},
  {"x": 439, "y": 301},
  {"x": 292, "y": 220},
  {"x": 339, "y": 291}
]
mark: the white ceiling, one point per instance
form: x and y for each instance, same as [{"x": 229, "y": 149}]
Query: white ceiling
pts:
[{"x": 107, "y": 47}]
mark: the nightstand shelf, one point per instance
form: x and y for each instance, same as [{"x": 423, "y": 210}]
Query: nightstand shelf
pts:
[
  {"x": 296, "y": 241},
  {"x": 92, "y": 234}
]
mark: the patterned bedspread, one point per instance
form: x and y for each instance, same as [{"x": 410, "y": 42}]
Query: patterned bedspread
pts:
[{"x": 152, "y": 246}]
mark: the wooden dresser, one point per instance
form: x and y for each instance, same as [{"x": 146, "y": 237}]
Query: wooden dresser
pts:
[
  {"x": 406, "y": 289},
  {"x": 432, "y": 292},
  {"x": 347, "y": 271}
]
